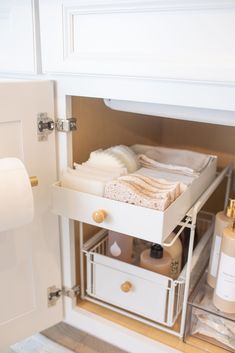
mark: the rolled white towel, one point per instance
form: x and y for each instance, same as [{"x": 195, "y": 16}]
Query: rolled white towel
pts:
[{"x": 128, "y": 157}]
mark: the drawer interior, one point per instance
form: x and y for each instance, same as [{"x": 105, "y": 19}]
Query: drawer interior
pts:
[{"x": 145, "y": 223}]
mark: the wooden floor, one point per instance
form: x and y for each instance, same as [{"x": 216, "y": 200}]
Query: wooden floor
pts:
[{"x": 63, "y": 339}]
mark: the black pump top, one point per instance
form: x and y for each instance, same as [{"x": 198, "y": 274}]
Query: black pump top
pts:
[{"x": 156, "y": 251}]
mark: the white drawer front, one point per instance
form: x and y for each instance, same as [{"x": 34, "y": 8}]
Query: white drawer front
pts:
[
  {"x": 142, "y": 222},
  {"x": 145, "y": 297}
]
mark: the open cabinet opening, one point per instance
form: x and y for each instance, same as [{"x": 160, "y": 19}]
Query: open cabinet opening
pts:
[{"x": 101, "y": 127}]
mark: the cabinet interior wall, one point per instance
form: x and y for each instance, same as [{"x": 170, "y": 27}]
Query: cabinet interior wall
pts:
[{"x": 100, "y": 127}]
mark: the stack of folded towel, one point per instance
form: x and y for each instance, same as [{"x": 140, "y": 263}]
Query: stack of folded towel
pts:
[
  {"x": 144, "y": 191},
  {"x": 141, "y": 175},
  {"x": 101, "y": 167}
]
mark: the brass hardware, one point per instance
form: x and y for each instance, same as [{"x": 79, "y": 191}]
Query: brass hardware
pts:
[
  {"x": 126, "y": 286},
  {"x": 99, "y": 216},
  {"x": 33, "y": 181}
]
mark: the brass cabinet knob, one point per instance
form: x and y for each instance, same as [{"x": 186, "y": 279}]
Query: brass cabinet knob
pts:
[
  {"x": 99, "y": 216},
  {"x": 33, "y": 181},
  {"x": 126, "y": 286}
]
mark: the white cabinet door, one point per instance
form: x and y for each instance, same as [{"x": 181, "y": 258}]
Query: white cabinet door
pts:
[
  {"x": 29, "y": 255},
  {"x": 18, "y": 36}
]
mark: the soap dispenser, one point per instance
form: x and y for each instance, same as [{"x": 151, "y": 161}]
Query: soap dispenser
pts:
[
  {"x": 156, "y": 259},
  {"x": 223, "y": 219}
]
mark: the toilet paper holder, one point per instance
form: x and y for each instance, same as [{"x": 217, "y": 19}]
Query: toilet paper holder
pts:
[{"x": 33, "y": 181}]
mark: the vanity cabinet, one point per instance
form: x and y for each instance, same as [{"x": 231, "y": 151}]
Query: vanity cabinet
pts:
[{"x": 147, "y": 60}]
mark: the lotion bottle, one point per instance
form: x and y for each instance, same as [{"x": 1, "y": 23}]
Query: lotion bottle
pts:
[
  {"x": 175, "y": 251},
  {"x": 224, "y": 293},
  {"x": 222, "y": 220},
  {"x": 156, "y": 259}
]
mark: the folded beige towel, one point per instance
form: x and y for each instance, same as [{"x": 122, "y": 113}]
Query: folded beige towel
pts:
[
  {"x": 124, "y": 191},
  {"x": 161, "y": 183},
  {"x": 152, "y": 187}
]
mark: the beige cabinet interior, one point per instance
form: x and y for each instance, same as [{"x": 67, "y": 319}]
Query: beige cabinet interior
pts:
[{"x": 100, "y": 127}]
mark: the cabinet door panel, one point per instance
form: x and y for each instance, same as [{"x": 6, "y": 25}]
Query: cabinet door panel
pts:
[
  {"x": 167, "y": 40},
  {"x": 17, "y": 36},
  {"x": 29, "y": 255}
]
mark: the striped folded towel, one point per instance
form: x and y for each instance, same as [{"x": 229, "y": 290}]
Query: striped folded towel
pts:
[{"x": 143, "y": 191}]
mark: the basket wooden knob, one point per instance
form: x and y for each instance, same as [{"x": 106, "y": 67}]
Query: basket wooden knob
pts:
[
  {"x": 99, "y": 216},
  {"x": 126, "y": 286}
]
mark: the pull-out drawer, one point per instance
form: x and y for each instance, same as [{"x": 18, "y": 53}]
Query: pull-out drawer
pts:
[
  {"x": 139, "y": 291},
  {"x": 142, "y": 222},
  {"x": 130, "y": 287}
]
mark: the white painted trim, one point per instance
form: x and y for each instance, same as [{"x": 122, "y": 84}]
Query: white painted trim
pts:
[
  {"x": 36, "y": 37},
  {"x": 115, "y": 334},
  {"x": 197, "y": 101},
  {"x": 94, "y": 6}
]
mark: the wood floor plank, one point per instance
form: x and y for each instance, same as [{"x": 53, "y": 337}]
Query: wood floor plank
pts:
[
  {"x": 65, "y": 335},
  {"x": 78, "y": 341}
]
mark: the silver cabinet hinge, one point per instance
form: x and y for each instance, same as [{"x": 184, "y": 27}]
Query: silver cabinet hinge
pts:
[
  {"x": 46, "y": 125},
  {"x": 54, "y": 294},
  {"x": 66, "y": 125}
]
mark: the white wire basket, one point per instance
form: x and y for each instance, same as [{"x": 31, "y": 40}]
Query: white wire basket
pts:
[{"x": 152, "y": 297}]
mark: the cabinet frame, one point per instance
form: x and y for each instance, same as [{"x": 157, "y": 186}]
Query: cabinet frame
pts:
[{"x": 74, "y": 315}]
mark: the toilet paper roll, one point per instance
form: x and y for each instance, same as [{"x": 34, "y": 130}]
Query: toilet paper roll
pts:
[{"x": 16, "y": 198}]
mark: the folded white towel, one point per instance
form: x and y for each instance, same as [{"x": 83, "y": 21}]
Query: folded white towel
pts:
[
  {"x": 179, "y": 161},
  {"x": 72, "y": 180},
  {"x": 167, "y": 175}
]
